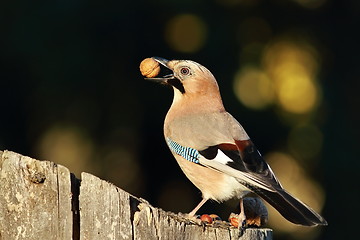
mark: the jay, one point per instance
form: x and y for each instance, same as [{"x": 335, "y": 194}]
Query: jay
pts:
[{"x": 213, "y": 149}]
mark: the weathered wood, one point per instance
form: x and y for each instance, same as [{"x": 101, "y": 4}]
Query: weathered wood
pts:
[
  {"x": 35, "y": 199},
  {"x": 108, "y": 212},
  {"x": 153, "y": 223},
  {"x": 104, "y": 210},
  {"x": 42, "y": 200}
]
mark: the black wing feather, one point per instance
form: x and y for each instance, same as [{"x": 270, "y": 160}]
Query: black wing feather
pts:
[
  {"x": 290, "y": 208},
  {"x": 246, "y": 158}
]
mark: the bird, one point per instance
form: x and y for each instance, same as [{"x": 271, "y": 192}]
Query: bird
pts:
[{"x": 213, "y": 149}]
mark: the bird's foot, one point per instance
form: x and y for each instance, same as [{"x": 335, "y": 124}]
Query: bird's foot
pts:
[
  {"x": 209, "y": 219},
  {"x": 238, "y": 221},
  {"x": 205, "y": 219}
]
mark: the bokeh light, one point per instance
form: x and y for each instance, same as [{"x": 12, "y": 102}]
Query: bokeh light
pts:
[
  {"x": 299, "y": 184},
  {"x": 286, "y": 78},
  {"x": 296, "y": 93},
  {"x": 253, "y": 88},
  {"x": 293, "y": 67},
  {"x": 68, "y": 146},
  {"x": 186, "y": 33}
]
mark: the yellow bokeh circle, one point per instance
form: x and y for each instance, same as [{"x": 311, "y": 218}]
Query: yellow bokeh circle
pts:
[
  {"x": 297, "y": 94},
  {"x": 186, "y": 33},
  {"x": 253, "y": 88}
]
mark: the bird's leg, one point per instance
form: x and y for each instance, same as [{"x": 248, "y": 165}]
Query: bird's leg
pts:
[
  {"x": 242, "y": 218},
  {"x": 193, "y": 212}
]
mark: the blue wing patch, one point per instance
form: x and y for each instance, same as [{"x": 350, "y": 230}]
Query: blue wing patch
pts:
[{"x": 188, "y": 153}]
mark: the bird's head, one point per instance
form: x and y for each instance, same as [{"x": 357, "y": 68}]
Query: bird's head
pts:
[{"x": 188, "y": 78}]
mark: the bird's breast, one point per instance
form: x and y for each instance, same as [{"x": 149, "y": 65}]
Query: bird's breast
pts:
[{"x": 213, "y": 184}]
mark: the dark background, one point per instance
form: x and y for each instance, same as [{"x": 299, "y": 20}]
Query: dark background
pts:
[{"x": 71, "y": 91}]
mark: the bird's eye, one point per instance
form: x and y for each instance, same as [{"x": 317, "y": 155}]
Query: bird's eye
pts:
[{"x": 185, "y": 71}]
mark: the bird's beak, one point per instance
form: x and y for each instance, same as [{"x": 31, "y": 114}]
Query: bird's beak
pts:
[
  {"x": 165, "y": 78},
  {"x": 162, "y": 61}
]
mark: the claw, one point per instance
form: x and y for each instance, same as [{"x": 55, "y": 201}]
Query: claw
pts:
[
  {"x": 242, "y": 219},
  {"x": 242, "y": 227}
]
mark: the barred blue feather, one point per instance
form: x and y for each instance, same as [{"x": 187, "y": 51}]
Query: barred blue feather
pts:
[{"x": 188, "y": 153}]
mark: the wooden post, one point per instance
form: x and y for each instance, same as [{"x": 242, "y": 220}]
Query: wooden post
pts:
[
  {"x": 35, "y": 199},
  {"x": 42, "y": 200}
]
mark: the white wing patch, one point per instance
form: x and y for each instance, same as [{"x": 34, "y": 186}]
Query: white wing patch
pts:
[
  {"x": 219, "y": 163},
  {"x": 220, "y": 157}
]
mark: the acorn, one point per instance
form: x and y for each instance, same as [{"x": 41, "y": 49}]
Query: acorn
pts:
[{"x": 149, "y": 68}]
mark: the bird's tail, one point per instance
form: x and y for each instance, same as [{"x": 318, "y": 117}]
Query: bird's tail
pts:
[{"x": 291, "y": 208}]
